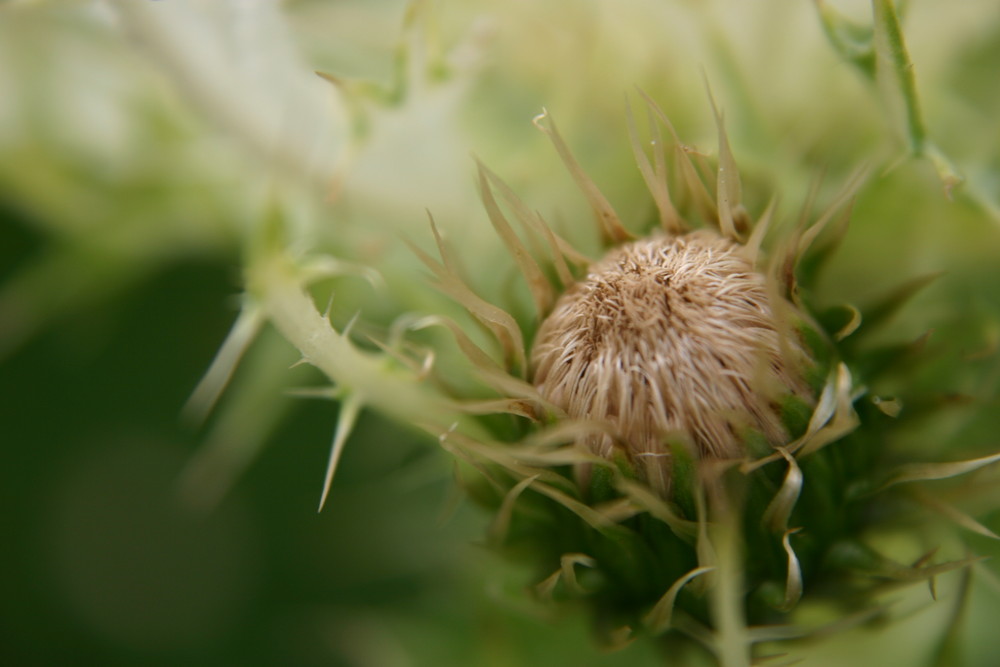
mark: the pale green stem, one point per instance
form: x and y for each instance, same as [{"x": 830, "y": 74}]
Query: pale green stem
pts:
[
  {"x": 732, "y": 639},
  {"x": 274, "y": 282},
  {"x": 892, "y": 46}
]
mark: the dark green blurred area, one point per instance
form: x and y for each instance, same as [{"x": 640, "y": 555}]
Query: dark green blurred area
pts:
[{"x": 103, "y": 564}]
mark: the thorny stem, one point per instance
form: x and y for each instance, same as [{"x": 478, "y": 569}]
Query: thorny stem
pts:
[
  {"x": 881, "y": 53},
  {"x": 274, "y": 282},
  {"x": 893, "y": 47}
]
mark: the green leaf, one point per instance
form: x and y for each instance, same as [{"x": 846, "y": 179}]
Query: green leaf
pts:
[
  {"x": 793, "y": 581},
  {"x": 566, "y": 573},
  {"x": 841, "y": 321},
  {"x": 861, "y": 559},
  {"x": 780, "y": 508},
  {"x": 883, "y": 309},
  {"x": 833, "y": 418},
  {"x": 873, "y": 363},
  {"x": 659, "y": 617},
  {"x": 956, "y": 515},
  {"x": 951, "y": 651},
  {"x": 922, "y": 472},
  {"x": 501, "y": 521},
  {"x": 642, "y": 496}
]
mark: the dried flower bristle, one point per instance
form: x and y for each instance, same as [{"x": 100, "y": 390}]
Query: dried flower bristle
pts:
[{"x": 669, "y": 337}]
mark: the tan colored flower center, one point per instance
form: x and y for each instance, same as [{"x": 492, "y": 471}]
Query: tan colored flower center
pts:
[{"x": 668, "y": 337}]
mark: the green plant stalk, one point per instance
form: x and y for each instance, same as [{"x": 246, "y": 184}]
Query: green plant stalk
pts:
[
  {"x": 732, "y": 641},
  {"x": 275, "y": 283},
  {"x": 891, "y": 46}
]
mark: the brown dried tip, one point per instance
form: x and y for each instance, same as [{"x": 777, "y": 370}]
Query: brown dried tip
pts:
[{"x": 669, "y": 338}]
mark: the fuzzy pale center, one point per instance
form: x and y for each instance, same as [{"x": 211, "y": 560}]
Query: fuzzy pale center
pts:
[{"x": 668, "y": 339}]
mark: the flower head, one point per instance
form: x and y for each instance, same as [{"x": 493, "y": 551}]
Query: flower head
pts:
[{"x": 671, "y": 335}]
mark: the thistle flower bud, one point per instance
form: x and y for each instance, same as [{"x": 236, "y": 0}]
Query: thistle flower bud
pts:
[{"x": 669, "y": 336}]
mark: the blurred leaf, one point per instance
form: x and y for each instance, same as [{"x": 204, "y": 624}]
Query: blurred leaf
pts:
[
  {"x": 879, "y": 313},
  {"x": 921, "y": 472},
  {"x": 841, "y": 321},
  {"x": 793, "y": 581},
  {"x": 853, "y": 41},
  {"x": 659, "y": 617},
  {"x": 780, "y": 508}
]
